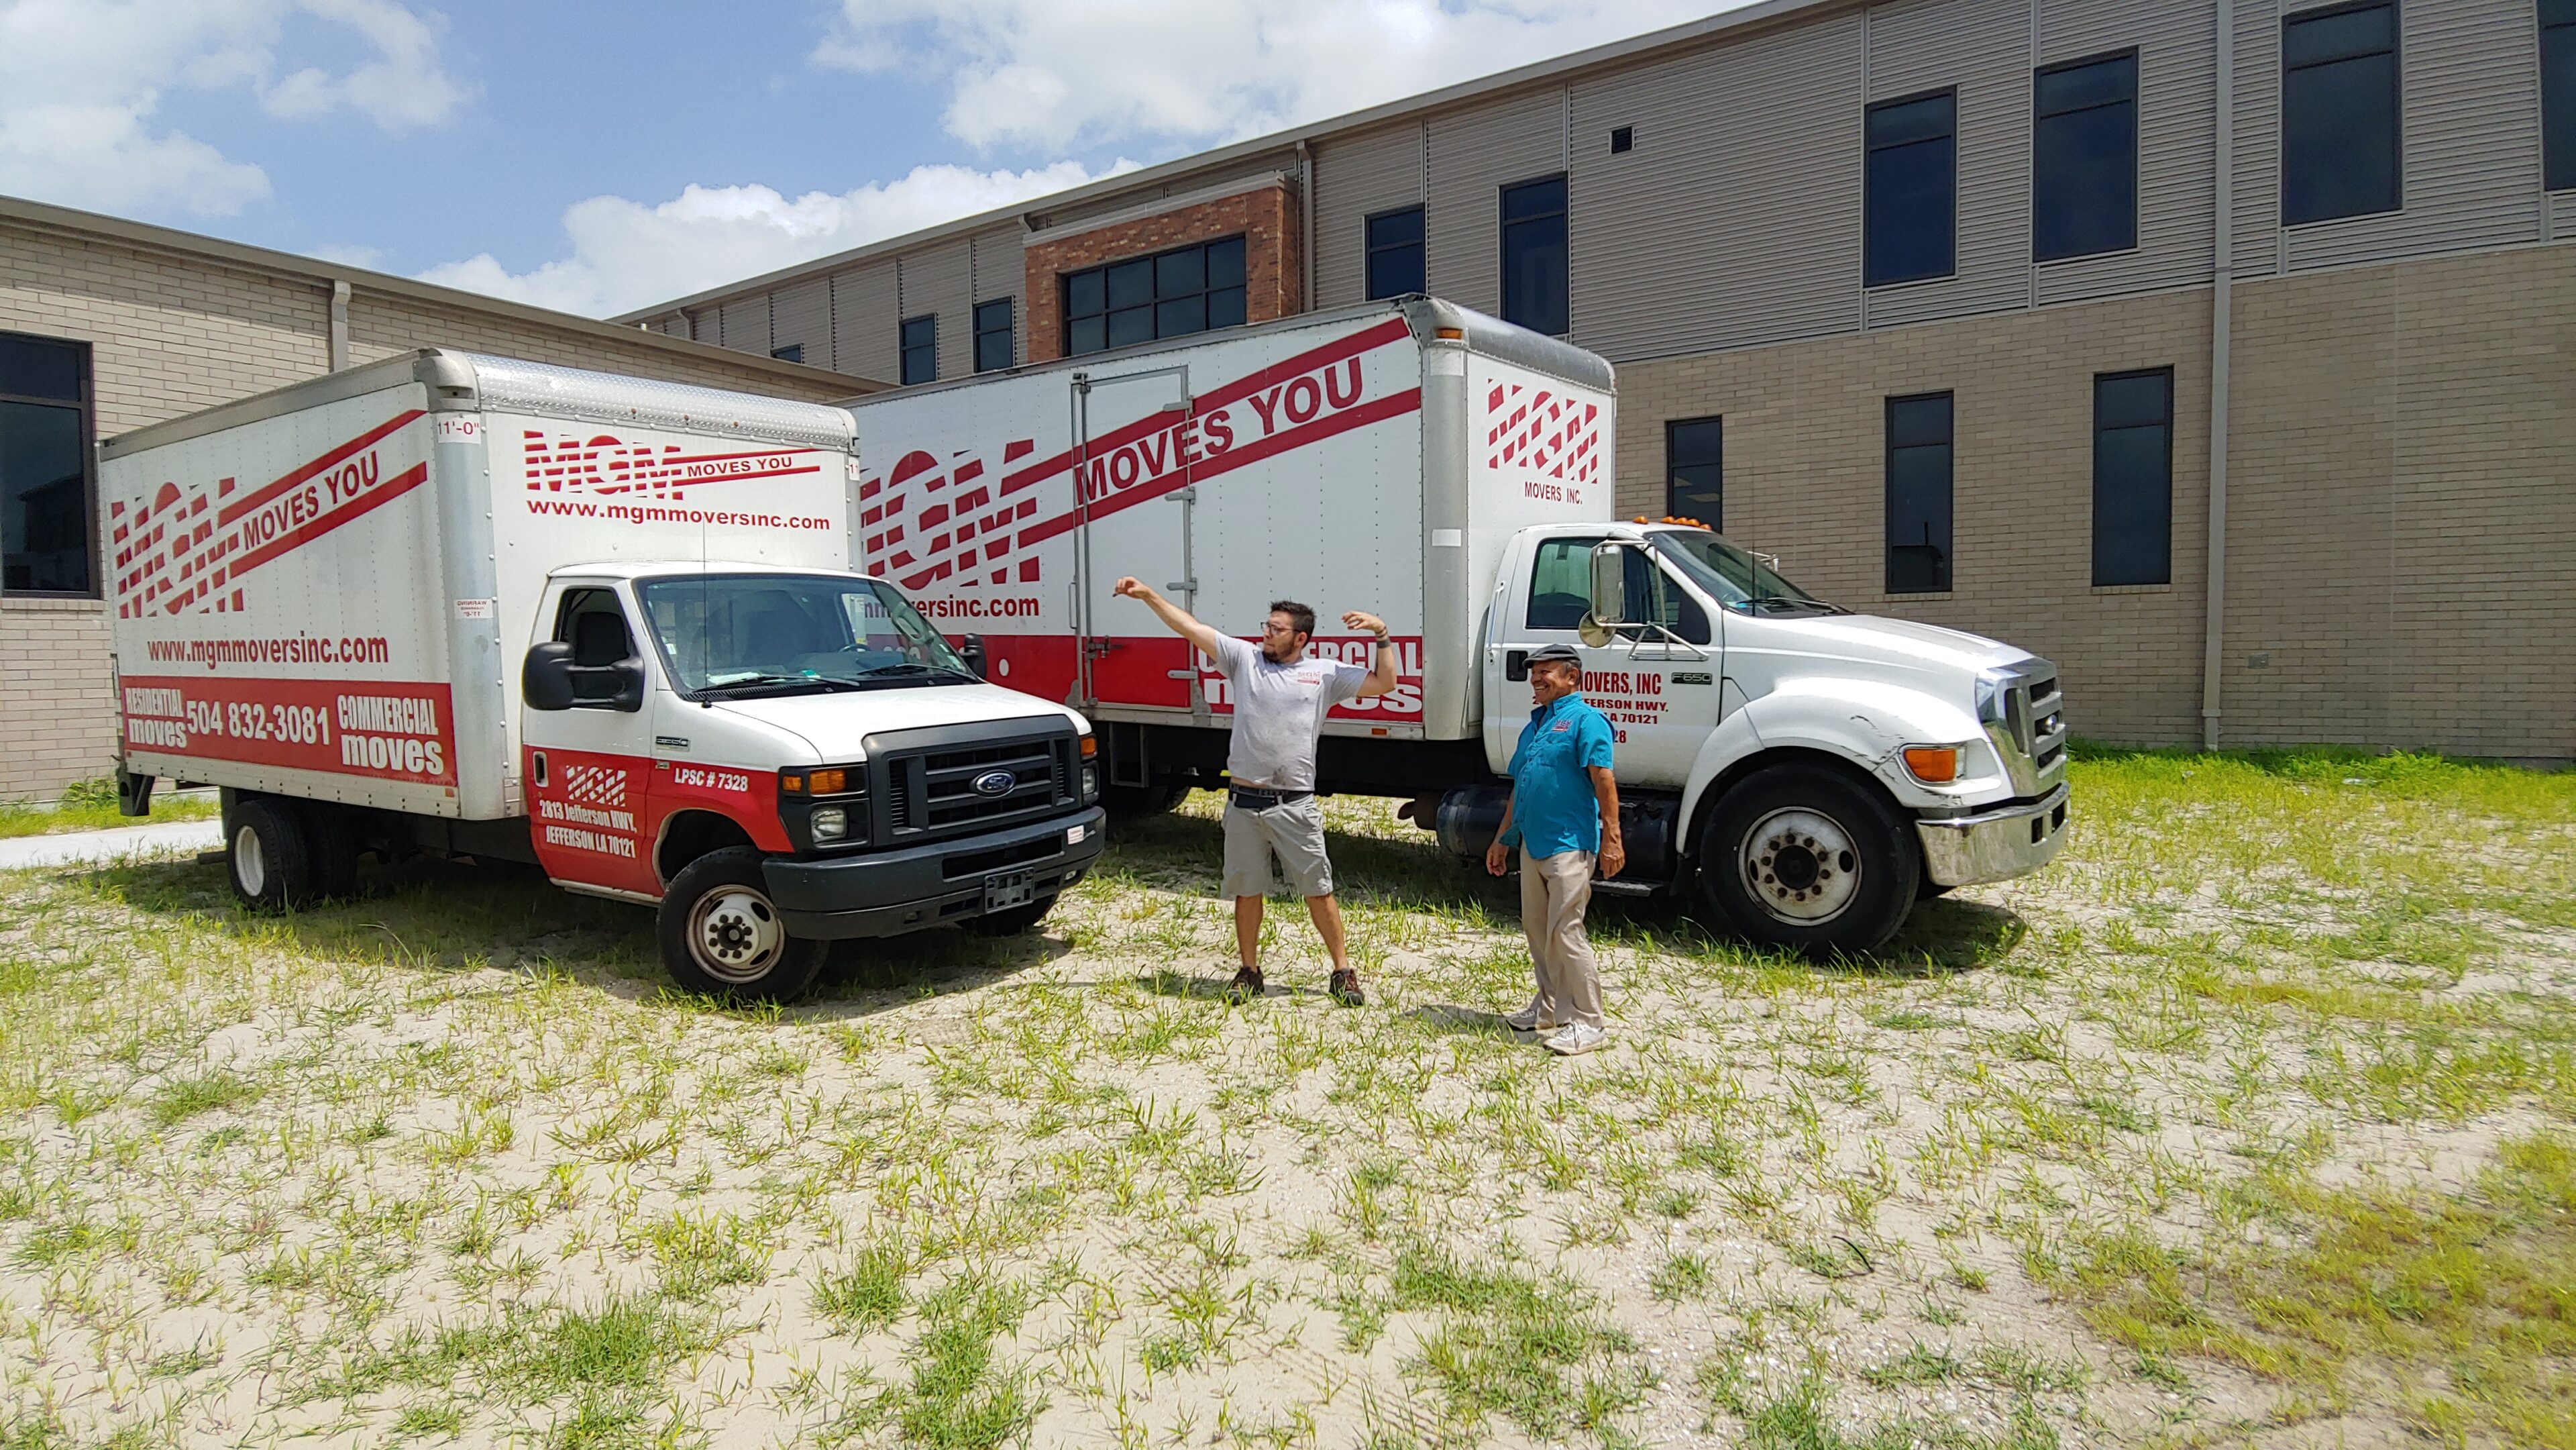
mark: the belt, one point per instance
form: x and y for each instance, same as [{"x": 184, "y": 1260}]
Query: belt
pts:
[{"x": 1251, "y": 799}]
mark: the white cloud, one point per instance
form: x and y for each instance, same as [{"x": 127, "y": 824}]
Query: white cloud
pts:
[
  {"x": 1060, "y": 73},
  {"x": 82, "y": 80},
  {"x": 627, "y": 255}
]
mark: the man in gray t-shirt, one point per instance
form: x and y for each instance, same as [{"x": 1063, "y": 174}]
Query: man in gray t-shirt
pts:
[{"x": 1280, "y": 698}]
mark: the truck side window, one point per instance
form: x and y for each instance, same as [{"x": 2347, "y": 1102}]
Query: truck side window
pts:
[
  {"x": 1652, "y": 594},
  {"x": 590, "y": 621},
  {"x": 1561, "y": 584}
]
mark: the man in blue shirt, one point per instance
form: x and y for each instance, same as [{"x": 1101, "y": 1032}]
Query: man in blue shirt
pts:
[{"x": 1562, "y": 812}]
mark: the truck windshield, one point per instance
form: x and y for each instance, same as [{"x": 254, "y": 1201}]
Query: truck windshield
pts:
[
  {"x": 1734, "y": 578},
  {"x": 743, "y": 634}
]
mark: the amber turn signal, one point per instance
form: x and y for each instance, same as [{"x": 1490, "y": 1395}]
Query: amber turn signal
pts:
[
  {"x": 1090, "y": 747},
  {"x": 791, "y": 785},
  {"x": 1933, "y": 764}
]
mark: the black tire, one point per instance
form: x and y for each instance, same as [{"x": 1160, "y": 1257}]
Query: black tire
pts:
[
  {"x": 1928, "y": 888},
  {"x": 331, "y": 833},
  {"x": 1134, "y": 802},
  {"x": 266, "y": 855},
  {"x": 1834, "y": 863},
  {"x": 721, "y": 935},
  {"x": 1010, "y": 921}
]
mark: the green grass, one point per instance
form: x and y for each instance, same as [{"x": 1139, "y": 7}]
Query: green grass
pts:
[{"x": 90, "y": 805}]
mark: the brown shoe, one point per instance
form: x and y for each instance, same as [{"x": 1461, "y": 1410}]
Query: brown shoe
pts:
[
  {"x": 1245, "y": 986},
  {"x": 1346, "y": 989}
]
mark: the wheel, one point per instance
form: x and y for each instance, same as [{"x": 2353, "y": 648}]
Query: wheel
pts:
[
  {"x": 1131, "y": 802},
  {"x": 331, "y": 834},
  {"x": 1010, "y": 921},
  {"x": 722, "y": 935},
  {"x": 1927, "y": 888},
  {"x": 268, "y": 858},
  {"x": 1809, "y": 858}
]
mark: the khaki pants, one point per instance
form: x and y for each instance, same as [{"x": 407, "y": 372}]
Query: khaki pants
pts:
[{"x": 1554, "y": 893}]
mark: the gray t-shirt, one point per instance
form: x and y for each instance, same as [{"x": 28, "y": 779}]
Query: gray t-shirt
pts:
[{"x": 1278, "y": 711}]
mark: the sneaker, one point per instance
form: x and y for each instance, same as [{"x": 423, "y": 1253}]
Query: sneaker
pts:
[
  {"x": 1528, "y": 1020},
  {"x": 1575, "y": 1039},
  {"x": 1345, "y": 989},
  {"x": 1245, "y": 986}
]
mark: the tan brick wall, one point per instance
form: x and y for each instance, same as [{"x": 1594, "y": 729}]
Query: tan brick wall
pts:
[
  {"x": 1805, "y": 478},
  {"x": 1273, "y": 257},
  {"x": 170, "y": 335}
]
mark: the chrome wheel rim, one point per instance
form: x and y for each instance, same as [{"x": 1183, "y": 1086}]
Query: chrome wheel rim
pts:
[
  {"x": 735, "y": 934},
  {"x": 250, "y": 862},
  {"x": 1801, "y": 865}
]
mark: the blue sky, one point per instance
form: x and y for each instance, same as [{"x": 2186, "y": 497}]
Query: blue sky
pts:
[{"x": 601, "y": 157}]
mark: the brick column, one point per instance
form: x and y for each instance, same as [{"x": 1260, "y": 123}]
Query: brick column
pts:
[{"x": 1273, "y": 266}]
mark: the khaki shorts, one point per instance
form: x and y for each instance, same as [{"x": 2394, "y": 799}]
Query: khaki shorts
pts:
[{"x": 1292, "y": 834}]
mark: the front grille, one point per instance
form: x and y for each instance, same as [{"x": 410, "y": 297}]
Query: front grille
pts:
[
  {"x": 2047, "y": 716},
  {"x": 952, "y": 797},
  {"x": 929, "y": 791}
]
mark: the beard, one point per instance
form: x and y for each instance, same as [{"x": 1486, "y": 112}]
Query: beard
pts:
[{"x": 1283, "y": 654}]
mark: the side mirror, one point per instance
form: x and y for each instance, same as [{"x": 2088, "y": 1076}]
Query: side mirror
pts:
[
  {"x": 624, "y": 682},
  {"x": 972, "y": 647},
  {"x": 1610, "y": 586},
  {"x": 545, "y": 680}
]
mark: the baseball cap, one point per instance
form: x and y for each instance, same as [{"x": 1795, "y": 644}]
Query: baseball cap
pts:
[{"x": 1549, "y": 653}]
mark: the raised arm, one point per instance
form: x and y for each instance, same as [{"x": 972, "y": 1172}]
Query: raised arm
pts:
[
  {"x": 1181, "y": 621},
  {"x": 1381, "y": 660}
]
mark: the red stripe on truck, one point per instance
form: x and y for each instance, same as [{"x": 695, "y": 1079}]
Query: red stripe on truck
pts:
[{"x": 359, "y": 444}]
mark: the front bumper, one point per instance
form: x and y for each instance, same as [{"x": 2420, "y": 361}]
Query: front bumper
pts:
[
  {"x": 1994, "y": 845},
  {"x": 887, "y": 893}
]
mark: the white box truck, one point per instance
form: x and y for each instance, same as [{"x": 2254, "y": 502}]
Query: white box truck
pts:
[
  {"x": 482, "y": 608},
  {"x": 1801, "y": 772}
]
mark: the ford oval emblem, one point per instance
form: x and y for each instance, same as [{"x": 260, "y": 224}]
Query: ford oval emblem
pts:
[{"x": 995, "y": 782}]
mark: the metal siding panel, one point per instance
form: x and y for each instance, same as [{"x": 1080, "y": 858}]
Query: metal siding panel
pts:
[
  {"x": 1001, "y": 270},
  {"x": 743, "y": 324},
  {"x": 1983, "y": 48},
  {"x": 2257, "y": 182},
  {"x": 2177, "y": 145},
  {"x": 863, "y": 321},
  {"x": 2469, "y": 147},
  {"x": 2562, "y": 216},
  {"x": 1470, "y": 156},
  {"x": 1374, "y": 172},
  {"x": 1736, "y": 220},
  {"x": 800, "y": 315},
  {"x": 934, "y": 281}
]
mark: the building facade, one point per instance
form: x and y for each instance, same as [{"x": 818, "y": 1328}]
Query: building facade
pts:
[
  {"x": 107, "y": 325},
  {"x": 2222, "y": 350}
]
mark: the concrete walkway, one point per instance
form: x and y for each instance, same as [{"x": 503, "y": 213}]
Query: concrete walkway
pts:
[{"x": 121, "y": 843}]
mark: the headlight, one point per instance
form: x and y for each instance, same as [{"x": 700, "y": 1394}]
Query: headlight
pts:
[{"x": 829, "y": 823}]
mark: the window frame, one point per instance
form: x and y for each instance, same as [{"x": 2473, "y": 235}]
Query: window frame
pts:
[
  {"x": 1008, "y": 332},
  {"x": 793, "y": 352},
  {"x": 905, "y": 347},
  {"x": 1870, "y": 282},
  {"x": 2165, "y": 373},
  {"x": 1503, "y": 227},
  {"x": 1716, "y": 517},
  {"x": 1370, "y": 249},
  {"x": 86, "y": 407},
  {"x": 2137, "y": 120},
  {"x": 1950, "y": 505},
  {"x": 2558, "y": 104},
  {"x": 1154, "y": 301},
  {"x": 2396, "y": 106}
]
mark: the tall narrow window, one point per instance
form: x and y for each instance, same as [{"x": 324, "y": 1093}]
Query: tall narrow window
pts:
[
  {"x": 45, "y": 507},
  {"x": 2133, "y": 478},
  {"x": 1918, "y": 494},
  {"x": 994, "y": 348},
  {"x": 1694, "y": 470},
  {"x": 1911, "y": 189},
  {"x": 2339, "y": 113},
  {"x": 1170, "y": 294},
  {"x": 2084, "y": 158},
  {"x": 1395, "y": 253},
  {"x": 921, "y": 349},
  {"x": 2558, "y": 92},
  {"x": 1535, "y": 285}
]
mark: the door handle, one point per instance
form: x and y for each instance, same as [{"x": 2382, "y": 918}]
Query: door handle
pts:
[{"x": 1516, "y": 664}]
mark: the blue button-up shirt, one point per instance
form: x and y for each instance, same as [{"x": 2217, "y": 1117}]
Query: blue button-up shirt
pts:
[{"x": 1553, "y": 808}]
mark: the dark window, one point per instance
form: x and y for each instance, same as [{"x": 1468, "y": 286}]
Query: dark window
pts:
[
  {"x": 1911, "y": 188},
  {"x": 2339, "y": 141},
  {"x": 1395, "y": 253},
  {"x": 921, "y": 349},
  {"x": 2558, "y": 92},
  {"x": 1694, "y": 473},
  {"x": 592, "y": 623},
  {"x": 1171, "y": 294},
  {"x": 994, "y": 348},
  {"x": 1561, "y": 592},
  {"x": 1622, "y": 139},
  {"x": 2133, "y": 478},
  {"x": 1918, "y": 494},
  {"x": 2084, "y": 158},
  {"x": 45, "y": 507},
  {"x": 793, "y": 352},
  {"x": 1534, "y": 256}
]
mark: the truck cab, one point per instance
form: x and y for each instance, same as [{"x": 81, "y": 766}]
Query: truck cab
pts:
[{"x": 1811, "y": 771}]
